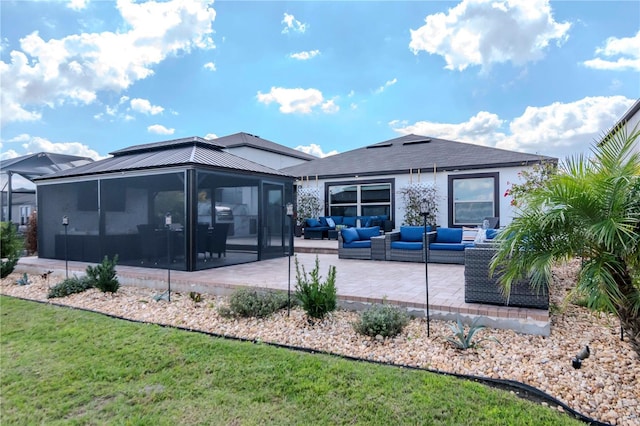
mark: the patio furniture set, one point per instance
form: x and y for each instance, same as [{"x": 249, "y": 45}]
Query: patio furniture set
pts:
[{"x": 445, "y": 245}]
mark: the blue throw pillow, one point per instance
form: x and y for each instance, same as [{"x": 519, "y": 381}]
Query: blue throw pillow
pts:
[
  {"x": 349, "y": 235},
  {"x": 411, "y": 233},
  {"x": 367, "y": 233},
  {"x": 449, "y": 235},
  {"x": 312, "y": 223},
  {"x": 330, "y": 223},
  {"x": 349, "y": 221},
  {"x": 491, "y": 234},
  {"x": 323, "y": 221}
]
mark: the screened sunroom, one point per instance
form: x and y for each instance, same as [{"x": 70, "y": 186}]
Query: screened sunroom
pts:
[{"x": 185, "y": 203}]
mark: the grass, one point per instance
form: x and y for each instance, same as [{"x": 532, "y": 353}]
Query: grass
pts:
[{"x": 64, "y": 366}]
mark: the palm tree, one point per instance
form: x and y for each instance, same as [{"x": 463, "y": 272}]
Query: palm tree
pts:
[{"x": 589, "y": 210}]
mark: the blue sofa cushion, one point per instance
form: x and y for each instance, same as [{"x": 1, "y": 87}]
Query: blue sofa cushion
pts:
[
  {"x": 337, "y": 219},
  {"x": 349, "y": 221},
  {"x": 367, "y": 233},
  {"x": 449, "y": 246},
  {"x": 349, "y": 235},
  {"x": 406, "y": 245},
  {"x": 358, "y": 244},
  {"x": 312, "y": 223},
  {"x": 330, "y": 222},
  {"x": 491, "y": 234},
  {"x": 323, "y": 221},
  {"x": 412, "y": 233},
  {"x": 449, "y": 235}
]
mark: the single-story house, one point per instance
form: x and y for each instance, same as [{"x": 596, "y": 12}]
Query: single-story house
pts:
[
  {"x": 470, "y": 179},
  {"x": 184, "y": 202}
]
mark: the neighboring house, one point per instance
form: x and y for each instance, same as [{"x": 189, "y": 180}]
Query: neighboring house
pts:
[
  {"x": 29, "y": 167},
  {"x": 185, "y": 201},
  {"x": 630, "y": 121},
  {"x": 262, "y": 151},
  {"x": 22, "y": 205},
  {"x": 470, "y": 179}
]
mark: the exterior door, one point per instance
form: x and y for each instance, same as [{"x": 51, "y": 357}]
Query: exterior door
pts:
[{"x": 272, "y": 238}]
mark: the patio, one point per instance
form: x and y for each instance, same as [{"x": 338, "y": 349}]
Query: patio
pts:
[{"x": 359, "y": 282}]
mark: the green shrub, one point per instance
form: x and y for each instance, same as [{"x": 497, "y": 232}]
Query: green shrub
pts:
[
  {"x": 103, "y": 276},
  {"x": 246, "y": 302},
  {"x": 24, "y": 280},
  {"x": 382, "y": 319},
  {"x": 69, "y": 286},
  {"x": 10, "y": 248},
  {"x": 317, "y": 298}
]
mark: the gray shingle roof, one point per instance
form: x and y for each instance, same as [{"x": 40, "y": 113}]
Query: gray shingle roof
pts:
[
  {"x": 178, "y": 152},
  {"x": 247, "y": 139},
  {"x": 415, "y": 152}
]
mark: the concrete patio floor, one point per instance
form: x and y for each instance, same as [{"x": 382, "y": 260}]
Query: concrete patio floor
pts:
[{"x": 359, "y": 283}]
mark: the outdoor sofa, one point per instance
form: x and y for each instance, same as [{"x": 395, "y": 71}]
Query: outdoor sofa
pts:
[
  {"x": 361, "y": 243},
  {"x": 319, "y": 228},
  {"x": 406, "y": 245},
  {"x": 482, "y": 287}
]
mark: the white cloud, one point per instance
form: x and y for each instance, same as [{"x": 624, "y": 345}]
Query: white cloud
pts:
[
  {"x": 292, "y": 24},
  {"x": 76, "y": 67},
  {"x": 294, "y": 100},
  {"x": 210, "y": 66},
  {"x": 482, "y": 129},
  {"x": 77, "y": 4},
  {"x": 211, "y": 136},
  {"x": 33, "y": 144},
  {"x": 558, "y": 130},
  {"x": 303, "y": 56},
  {"x": 384, "y": 86},
  {"x": 145, "y": 107},
  {"x": 482, "y": 32},
  {"x": 624, "y": 53},
  {"x": 159, "y": 129},
  {"x": 314, "y": 149},
  {"x": 330, "y": 107}
]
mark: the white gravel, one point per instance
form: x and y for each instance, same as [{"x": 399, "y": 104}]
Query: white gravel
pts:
[{"x": 606, "y": 388}]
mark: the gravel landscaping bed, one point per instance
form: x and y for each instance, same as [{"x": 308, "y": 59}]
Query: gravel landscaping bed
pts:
[{"x": 606, "y": 388}]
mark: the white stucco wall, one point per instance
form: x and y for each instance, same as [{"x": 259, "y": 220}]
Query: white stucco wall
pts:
[{"x": 506, "y": 177}]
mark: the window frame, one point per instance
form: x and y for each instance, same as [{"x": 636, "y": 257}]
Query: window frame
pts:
[
  {"x": 451, "y": 196},
  {"x": 359, "y": 204}
]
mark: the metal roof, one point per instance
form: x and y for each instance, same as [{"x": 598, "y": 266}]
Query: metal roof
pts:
[
  {"x": 39, "y": 164},
  {"x": 414, "y": 152},
  {"x": 246, "y": 139},
  {"x": 179, "y": 152}
]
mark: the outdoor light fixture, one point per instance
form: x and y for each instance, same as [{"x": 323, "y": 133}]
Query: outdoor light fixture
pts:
[
  {"x": 65, "y": 223},
  {"x": 582, "y": 355},
  {"x": 289, "y": 211},
  {"x": 424, "y": 211},
  {"x": 167, "y": 222}
]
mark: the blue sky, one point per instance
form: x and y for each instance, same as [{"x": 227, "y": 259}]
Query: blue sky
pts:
[{"x": 91, "y": 77}]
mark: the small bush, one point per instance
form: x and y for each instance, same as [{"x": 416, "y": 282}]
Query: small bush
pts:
[
  {"x": 247, "y": 302},
  {"x": 24, "y": 280},
  {"x": 10, "y": 248},
  {"x": 103, "y": 276},
  {"x": 69, "y": 286},
  {"x": 384, "y": 320},
  {"x": 317, "y": 298}
]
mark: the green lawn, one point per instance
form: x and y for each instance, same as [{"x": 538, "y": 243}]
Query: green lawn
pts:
[{"x": 63, "y": 366}]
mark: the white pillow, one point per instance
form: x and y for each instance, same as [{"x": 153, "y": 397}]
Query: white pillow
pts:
[
  {"x": 469, "y": 234},
  {"x": 330, "y": 222}
]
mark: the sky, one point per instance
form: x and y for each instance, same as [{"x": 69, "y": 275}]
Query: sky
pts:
[{"x": 88, "y": 78}]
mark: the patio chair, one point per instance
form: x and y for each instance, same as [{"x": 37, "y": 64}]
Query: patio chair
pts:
[
  {"x": 361, "y": 243},
  {"x": 407, "y": 244},
  {"x": 218, "y": 239}
]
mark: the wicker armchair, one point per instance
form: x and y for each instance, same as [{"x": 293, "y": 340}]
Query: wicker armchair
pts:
[
  {"x": 479, "y": 287},
  {"x": 404, "y": 255},
  {"x": 374, "y": 251}
]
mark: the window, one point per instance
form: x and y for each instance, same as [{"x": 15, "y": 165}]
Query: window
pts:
[
  {"x": 472, "y": 198},
  {"x": 362, "y": 199}
]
